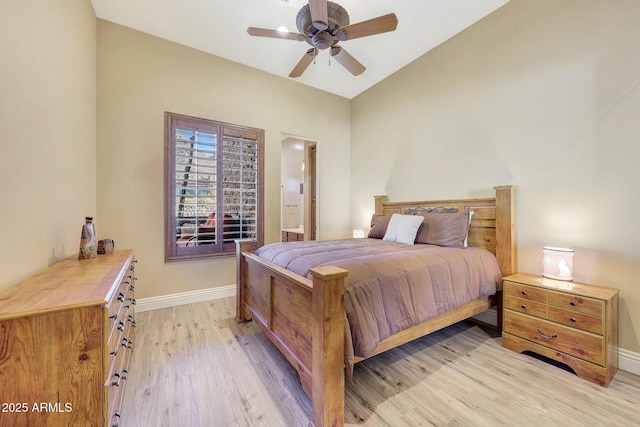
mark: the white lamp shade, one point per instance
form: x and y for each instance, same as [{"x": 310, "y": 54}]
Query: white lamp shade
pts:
[{"x": 557, "y": 263}]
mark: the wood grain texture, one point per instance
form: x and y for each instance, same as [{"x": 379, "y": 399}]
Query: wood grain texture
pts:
[
  {"x": 328, "y": 345},
  {"x": 571, "y": 322},
  {"x": 49, "y": 358},
  {"x": 68, "y": 283},
  {"x": 60, "y": 331},
  {"x": 196, "y": 366}
]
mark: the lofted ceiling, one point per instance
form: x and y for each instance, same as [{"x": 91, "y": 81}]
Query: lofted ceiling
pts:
[{"x": 220, "y": 27}]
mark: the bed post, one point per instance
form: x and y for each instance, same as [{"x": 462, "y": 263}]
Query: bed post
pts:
[
  {"x": 327, "y": 347},
  {"x": 241, "y": 265},
  {"x": 506, "y": 247},
  {"x": 506, "y": 250},
  {"x": 380, "y": 200}
]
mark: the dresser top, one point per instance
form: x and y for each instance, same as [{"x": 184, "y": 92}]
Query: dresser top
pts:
[
  {"x": 577, "y": 288},
  {"x": 67, "y": 283}
]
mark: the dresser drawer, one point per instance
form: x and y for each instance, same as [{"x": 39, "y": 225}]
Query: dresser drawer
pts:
[
  {"x": 577, "y": 320},
  {"x": 577, "y": 343},
  {"x": 577, "y": 303},
  {"x": 525, "y": 306},
  {"x": 530, "y": 293}
]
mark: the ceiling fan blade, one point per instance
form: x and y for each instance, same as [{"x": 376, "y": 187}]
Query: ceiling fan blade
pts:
[
  {"x": 347, "y": 61},
  {"x": 303, "y": 63},
  {"x": 319, "y": 14},
  {"x": 381, "y": 24},
  {"x": 261, "y": 32}
]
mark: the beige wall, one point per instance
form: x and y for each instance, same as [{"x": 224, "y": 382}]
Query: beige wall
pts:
[
  {"x": 48, "y": 126},
  {"x": 544, "y": 94},
  {"x": 139, "y": 78}
]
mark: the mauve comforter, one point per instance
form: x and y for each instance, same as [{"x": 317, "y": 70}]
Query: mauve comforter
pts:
[{"x": 392, "y": 286}]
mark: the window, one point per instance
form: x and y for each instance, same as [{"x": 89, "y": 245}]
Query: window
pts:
[{"x": 213, "y": 186}]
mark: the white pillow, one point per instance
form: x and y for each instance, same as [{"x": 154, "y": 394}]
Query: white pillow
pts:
[{"x": 403, "y": 228}]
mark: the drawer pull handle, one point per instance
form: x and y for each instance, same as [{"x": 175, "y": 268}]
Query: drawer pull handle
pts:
[
  {"x": 120, "y": 326},
  {"x": 573, "y": 319},
  {"x": 133, "y": 322},
  {"x": 547, "y": 337},
  {"x": 523, "y": 306},
  {"x": 116, "y": 422},
  {"x": 524, "y": 292},
  {"x": 120, "y": 296},
  {"x": 572, "y": 303}
]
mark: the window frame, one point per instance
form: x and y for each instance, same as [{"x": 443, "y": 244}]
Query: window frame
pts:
[{"x": 224, "y": 248}]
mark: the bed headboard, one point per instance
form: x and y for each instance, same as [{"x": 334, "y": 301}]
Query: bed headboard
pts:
[{"x": 493, "y": 225}]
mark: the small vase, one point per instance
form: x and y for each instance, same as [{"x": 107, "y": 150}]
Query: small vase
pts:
[{"x": 88, "y": 244}]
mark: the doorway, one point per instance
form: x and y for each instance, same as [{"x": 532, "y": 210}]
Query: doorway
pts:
[{"x": 299, "y": 189}]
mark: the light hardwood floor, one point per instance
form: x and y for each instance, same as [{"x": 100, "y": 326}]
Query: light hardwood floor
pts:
[{"x": 193, "y": 365}]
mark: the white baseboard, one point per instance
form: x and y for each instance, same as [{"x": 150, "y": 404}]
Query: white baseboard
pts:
[
  {"x": 164, "y": 301},
  {"x": 627, "y": 360}
]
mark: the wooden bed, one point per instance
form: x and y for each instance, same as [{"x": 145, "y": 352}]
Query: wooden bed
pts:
[{"x": 305, "y": 318}]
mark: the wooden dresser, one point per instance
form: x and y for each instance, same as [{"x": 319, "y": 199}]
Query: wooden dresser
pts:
[
  {"x": 66, "y": 336},
  {"x": 570, "y": 322}
]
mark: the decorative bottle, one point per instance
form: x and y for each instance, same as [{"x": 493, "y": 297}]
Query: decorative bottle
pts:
[{"x": 88, "y": 243}]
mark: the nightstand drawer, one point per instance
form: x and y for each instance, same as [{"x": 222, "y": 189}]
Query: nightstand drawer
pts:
[
  {"x": 525, "y": 292},
  {"x": 577, "y": 303},
  {"x": 525, "y": 306},
  {"x": 584, "y": 345},
  {"x": 577, "y": 320}
]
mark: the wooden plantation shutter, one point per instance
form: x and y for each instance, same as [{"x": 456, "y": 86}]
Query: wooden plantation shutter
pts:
[{"x": 213, "y": 186}]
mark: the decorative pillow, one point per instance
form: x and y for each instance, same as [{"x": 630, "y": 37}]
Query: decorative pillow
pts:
[
  {"x": 444, "y": 229},
  {"x": 379, "y": 225},
  {"x": 403, "y": 228}
]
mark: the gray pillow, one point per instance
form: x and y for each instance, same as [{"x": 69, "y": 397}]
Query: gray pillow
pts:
[{"x": 444, "y": 229}]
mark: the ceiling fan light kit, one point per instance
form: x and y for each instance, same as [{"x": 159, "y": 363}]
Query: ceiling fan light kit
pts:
[{"x": 323, "y": 24}]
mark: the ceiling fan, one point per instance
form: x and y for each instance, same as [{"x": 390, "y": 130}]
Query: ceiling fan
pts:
[{"x": 323, "y": 24}]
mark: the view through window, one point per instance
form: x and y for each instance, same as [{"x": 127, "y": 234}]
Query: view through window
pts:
[{"x": 214, "y": 186}]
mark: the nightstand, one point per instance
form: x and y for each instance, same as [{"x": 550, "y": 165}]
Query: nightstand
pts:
[{"x": 570, "y": 322}]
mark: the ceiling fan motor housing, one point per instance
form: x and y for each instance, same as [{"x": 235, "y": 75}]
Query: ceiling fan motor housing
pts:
[{"x": 338, "y": 17}]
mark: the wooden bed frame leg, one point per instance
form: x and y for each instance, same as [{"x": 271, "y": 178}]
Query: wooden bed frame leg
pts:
[
  {"x": 327, "y": 361},
  {"x": 241, "y": 265}
]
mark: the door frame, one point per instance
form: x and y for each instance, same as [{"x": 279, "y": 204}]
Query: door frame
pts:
[{"x": 311, "y": 216}]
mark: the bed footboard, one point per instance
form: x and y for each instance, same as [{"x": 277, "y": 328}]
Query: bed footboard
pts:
[{"x": 304, "y": 319}]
